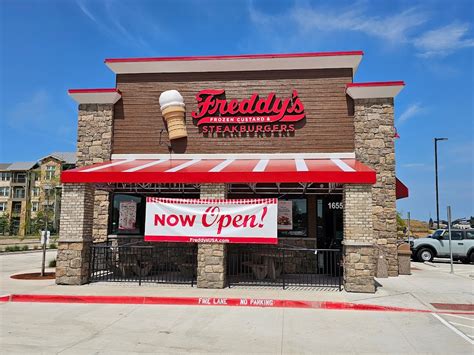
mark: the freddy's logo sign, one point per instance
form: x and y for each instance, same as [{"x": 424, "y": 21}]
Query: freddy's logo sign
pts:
[{"x": 255, "y": 114}]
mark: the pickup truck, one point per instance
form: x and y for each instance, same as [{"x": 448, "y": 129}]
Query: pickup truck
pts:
[{"x": 462, "y": 244}]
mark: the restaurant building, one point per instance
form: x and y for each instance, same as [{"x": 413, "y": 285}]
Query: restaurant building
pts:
[{"x": 291, "y": 134}]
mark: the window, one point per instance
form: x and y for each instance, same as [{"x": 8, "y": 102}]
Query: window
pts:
[
  {"x": 3, "y": 206},
  {"x": 35, "y": 207},
  {"x": 50, "y": 172},
  {"x": 5, "y": 176},
  {"x": 469, "y": 235},
  {"x": 20, "y": 178},
  {"x": 18, "y": 192},
  {"x": 299, "y": 220},
  {"x": 35, "y": 191},
  {"x": 128, "y": 214},
  {"x": 455, "y": 235},
  {"x": 4, "y": 191},
  {"x": 16, "y": 207}
]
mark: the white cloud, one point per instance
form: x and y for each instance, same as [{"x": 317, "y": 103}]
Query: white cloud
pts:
[
  {"x": 123, "y": 23},
  {"x": 308, "y": 23},
  {"x": 394, "y": 28},
  {"x": 414, "y": 165},
  {"x": 411, "y": 111},
  {"x": 444, "y": 40},
  {"x": 30, "y": 112}
]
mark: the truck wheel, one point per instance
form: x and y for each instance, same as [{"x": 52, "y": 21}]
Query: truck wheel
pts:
[
  {"x": 470, "y": 258},
  {"x": 425, "y": 254}
]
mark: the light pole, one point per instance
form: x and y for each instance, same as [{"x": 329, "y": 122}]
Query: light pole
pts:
[
  {"x": 43, "y": 261},
  {"x": 436, "y": 177}
]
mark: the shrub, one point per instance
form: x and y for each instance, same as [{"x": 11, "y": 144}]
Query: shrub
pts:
[
  {"x": 25, "y": 247},
  {"x": 52, "y": 263},
  {"x": 12, "y": 248},
  {"x": 53, "y": 246}
]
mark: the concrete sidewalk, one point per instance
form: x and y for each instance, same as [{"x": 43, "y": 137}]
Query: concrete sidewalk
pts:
[{"x": 429, "y": 283}]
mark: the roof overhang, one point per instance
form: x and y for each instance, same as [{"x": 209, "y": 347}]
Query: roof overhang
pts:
[
  {"x": 220, "y": 170},
  {"x": 95, "y": 96},
  {"x": 374, "y": 90},
  {"x": 229, "y": 63}
]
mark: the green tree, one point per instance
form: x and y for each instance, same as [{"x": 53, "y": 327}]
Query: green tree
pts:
[
  {"x": 4, "y": 223},
  {"x": 401, "y": 224}
]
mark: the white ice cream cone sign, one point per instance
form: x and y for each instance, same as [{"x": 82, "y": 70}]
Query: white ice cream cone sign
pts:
[{"x": 173, "y": 110}]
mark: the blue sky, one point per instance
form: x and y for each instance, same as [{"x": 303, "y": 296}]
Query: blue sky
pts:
[{"x": 52, "y": 45}]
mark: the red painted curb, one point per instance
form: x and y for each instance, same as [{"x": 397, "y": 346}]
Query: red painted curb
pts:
[
  {"x": 5, "y": 298},
  {"x": 212, "y": 301}
]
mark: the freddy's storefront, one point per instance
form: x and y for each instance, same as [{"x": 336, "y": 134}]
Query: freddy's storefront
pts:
[{"x": 231, "y": 170}]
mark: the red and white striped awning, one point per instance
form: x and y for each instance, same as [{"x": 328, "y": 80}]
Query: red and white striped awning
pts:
[{"x": 328, "y": 170}]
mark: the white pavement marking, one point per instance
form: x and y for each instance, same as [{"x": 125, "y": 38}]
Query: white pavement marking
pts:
[
  {"x": 221, "y": 166},
  {"x": 301, "y": 165},
  {"x": 454, "y": 329},
  {"x": 462, "y": 325},
  {"x": 144, "y": 166},
  {"x": 115, "y": 163},
  {"x": 261, "y": 165},
  {"x": 182, "y": 166},
  {"x": 457, "y": 316},
  {"x": 343, "y": 166}
]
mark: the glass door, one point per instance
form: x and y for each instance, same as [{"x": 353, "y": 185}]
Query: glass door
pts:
[{"x": 329, "y": 222}]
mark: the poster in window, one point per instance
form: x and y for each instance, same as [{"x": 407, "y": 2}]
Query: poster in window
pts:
[
  {"x": 127, "y": 215},
  {"x": 285, "y": 215}
]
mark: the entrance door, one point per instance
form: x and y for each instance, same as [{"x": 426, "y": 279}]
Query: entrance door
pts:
[{"x": 329, "y": 222}]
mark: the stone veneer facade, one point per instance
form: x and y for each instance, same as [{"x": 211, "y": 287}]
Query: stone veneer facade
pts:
[
  {"x": 75, "y": 238},
  {"x": 211, "y": 268},
  {"x": 94, "y": 145},
  {"x": 375, "y": 146},
  {"x": 359, "y": 251}
]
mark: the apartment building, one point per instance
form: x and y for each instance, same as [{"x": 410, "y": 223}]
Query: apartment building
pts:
[{"x": 26, "y": 188}]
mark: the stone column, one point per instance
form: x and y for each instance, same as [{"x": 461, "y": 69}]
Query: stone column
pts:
[
  {"x": 358, "y": 243},
  {"x": 75, "y": 237},
  {"x": 212, "y": 263},
  {"x": 374, "y": 146},
  {"x": 94, "y": 145}
]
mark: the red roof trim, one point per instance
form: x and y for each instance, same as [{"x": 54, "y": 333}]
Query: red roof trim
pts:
[
  {"x": 92, "y": 91},
  {"x": 376, "y": 83},
  {"x": 401, "y": 190},
  {"x": 227, "y": 57}
]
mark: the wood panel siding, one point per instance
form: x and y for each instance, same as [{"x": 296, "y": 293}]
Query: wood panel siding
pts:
[{"x": 328, "y": 126}]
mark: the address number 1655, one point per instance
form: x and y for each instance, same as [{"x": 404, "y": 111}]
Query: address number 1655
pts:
[{"x": 335, "y": 205}]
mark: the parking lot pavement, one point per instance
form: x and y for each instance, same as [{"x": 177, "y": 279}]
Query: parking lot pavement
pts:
[
  {"x": 100, "y": 329},
  {"x": 444, "y": 265},
  {"x": 462, "y": 324}
]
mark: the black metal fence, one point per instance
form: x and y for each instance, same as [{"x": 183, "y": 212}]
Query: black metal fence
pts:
[
  {"x": 142, "y": 262},
  {"x": 279, "y": 266}
]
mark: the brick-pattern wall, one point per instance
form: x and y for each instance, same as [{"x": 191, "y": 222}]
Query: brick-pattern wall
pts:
[
  {"x": 375, "y": 146},
  {"x": 138, "y": 119},
  {"x": 77, "y": 205},
  {"x": 94, "y": 145},
  {"x": 211, "y": 270},
  {"x": 359, "y": 258}
]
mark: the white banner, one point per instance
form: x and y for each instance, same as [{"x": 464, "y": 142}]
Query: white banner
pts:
[{"x": 211, "y": 221}]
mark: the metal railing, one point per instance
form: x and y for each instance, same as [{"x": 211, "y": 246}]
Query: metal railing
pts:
[
  {"x": 284, "y": 266},
  {"x": 142, "y": 262}
]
